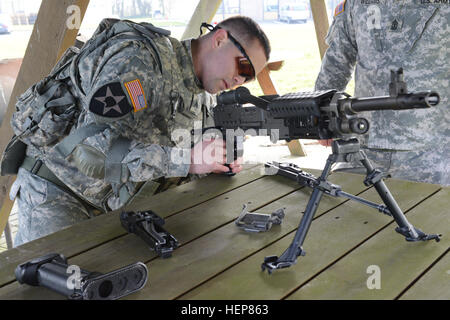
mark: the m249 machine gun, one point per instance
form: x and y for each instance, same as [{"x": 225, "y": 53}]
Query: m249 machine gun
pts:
[{"x": 321, "y": 115}]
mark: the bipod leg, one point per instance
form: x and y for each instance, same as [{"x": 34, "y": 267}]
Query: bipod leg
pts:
[
  {"x": 289, "y": 257},
  {"x": 375, "y": 178}
]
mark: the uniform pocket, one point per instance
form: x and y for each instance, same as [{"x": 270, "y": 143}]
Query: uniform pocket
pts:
[
  {"x": 89, "y": 161},
  {"x": 44, "y": 113},
  {"x": 418, "y": 24},
  {"x": 33, "y": 189},
  {"x": 14, "y": 191},
  {"x": 12, "y": 157},
  {"x": 53, "y": 127}
]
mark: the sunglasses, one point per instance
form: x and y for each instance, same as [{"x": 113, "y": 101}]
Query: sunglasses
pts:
[{"x": 244, "y": 64}]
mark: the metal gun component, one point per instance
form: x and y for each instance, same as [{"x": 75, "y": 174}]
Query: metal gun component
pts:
[
  {"x": 320, "y": 186},
  {"x": 325, "y": 114},
  {"x": 319, "y": 115},
  {"x": 148, "y": 226},
  {"x": 53, "y": 272},
  {"x": 293, "y": 172},
  {"x": 257, "y": 222}
]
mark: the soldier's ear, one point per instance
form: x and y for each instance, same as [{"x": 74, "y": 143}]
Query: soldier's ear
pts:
[{"x": 219, "y": 38}]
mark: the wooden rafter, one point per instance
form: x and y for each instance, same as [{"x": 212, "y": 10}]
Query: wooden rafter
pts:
[
  {"x": 319, "y": 12},
  {"x": 204, "y": 12}
]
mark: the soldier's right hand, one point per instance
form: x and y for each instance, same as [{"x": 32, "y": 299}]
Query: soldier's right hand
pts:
[
  {"x": 209, "y": 156},
  {"x": 325, "y": 143}
]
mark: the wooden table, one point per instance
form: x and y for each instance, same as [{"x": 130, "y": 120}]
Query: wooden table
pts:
[{"x": 346, "y": 244}]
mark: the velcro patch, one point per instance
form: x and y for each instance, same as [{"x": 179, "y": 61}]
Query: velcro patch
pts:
[
  {"x": 340, "y": 8},
  {"x": 110, "y": 101},
  {"x": 137, "y": 95}
]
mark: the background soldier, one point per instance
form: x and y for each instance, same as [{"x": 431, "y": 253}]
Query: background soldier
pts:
[
  {"x": 379, "y": 36},
  {"x": 131, "y": 87}
]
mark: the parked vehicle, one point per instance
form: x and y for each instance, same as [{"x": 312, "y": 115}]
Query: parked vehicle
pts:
[
  {"x": 5, "y": 25},
  {"x": 294, "y": 13}
]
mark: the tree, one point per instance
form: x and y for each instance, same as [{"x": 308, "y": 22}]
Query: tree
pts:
[
  {"x": 145, "y": 7},
  {"x": 166, "y": 7},
  {"x": 118, "y": 8},
  {"x": 133, "y": 8}
]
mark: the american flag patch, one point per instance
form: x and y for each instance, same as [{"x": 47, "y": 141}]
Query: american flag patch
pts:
[
  {"x": 136, "y": 94},
  {"x": 339, "y": 9}
]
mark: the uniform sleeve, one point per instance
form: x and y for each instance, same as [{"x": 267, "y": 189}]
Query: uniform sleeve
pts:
[
  {"x": 339, "y": 59},
  {"x": 147, "y": 162},
  {"x": 125, "y": 85}
]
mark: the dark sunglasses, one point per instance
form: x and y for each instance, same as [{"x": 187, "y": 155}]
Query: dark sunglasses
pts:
[{"x": 244, "y": 64}]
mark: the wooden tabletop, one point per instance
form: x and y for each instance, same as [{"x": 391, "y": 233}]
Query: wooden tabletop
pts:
[{"x": 347, "y": 246}]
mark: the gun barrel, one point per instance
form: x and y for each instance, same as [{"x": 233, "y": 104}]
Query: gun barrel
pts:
[{"x": 419, "y": 100}]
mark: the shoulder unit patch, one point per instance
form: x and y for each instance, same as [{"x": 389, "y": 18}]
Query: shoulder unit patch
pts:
[{"x": 110, "y": 101}]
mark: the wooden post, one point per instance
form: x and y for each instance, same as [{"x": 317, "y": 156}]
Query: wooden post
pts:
[
  {"x": 49, "y": 39},
  {"x": 71, "y": 34},
  {"x": 319, "y": 12},
  {"x": 264, "y": 80},
  {"x": 8, "y": 238},
  {"x": 268, "y": 88},
  {"x": 205, "y": 11}
]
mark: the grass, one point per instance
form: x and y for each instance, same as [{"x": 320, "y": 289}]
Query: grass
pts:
[{"x": 297, "y": 46}]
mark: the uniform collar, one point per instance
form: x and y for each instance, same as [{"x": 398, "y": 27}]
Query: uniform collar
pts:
[{"x": 185, "y": 58}]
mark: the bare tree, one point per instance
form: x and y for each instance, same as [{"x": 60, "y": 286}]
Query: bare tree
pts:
[
  {"x": 118, "y": 8},
  {"x": 166, "y": 7},
  {"x": 134, "y": 8},
  {"x": 144, "y": 7},
  {"x": 139, "y": 8}
]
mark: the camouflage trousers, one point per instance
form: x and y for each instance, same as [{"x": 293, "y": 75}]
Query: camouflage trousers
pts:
[
  {"x": 430, "y": 166},
  {"x": 44, "y": 208}
]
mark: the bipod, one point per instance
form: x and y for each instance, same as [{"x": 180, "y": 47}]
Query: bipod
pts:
[{"x": 342, "y": 151}]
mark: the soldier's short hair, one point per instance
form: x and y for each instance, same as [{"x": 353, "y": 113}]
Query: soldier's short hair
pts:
[{"x": 247, "y": 30}]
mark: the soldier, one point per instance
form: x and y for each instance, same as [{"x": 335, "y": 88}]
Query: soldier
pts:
[
  {"x": 379, "y": 36},
  {"x": 132, "y": 87}
]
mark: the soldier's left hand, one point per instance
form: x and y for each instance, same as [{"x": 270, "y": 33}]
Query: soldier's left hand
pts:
[{"x": 236, "y": 166}]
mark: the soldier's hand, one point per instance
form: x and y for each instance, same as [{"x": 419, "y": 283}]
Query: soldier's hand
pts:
[
  {"x": 325, "y": 143},
  {"x": 236, "y": 166},
  {"x": 210, "y": 156}
]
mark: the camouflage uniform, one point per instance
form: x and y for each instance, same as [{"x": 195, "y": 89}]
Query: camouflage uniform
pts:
[
  {"x": 141, "y": 93},
  {"x": 379, "y": 36}
]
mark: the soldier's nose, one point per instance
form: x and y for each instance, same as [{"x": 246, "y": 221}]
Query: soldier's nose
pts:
[{"x": 238, "y": 80}]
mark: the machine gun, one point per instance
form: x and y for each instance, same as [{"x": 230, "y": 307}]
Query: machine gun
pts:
[
  {"x": 312, "y": 115},
  {"x": 321, "y": 115}
]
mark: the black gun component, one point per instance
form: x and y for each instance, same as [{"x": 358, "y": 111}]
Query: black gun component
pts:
[
  {"x": 311, "y": 115},
  {"x": 239, "y": 96},
  {"x": 148, "y": 226},
  {"x": 322, "y": 115},
  {"x": 53, "y": 272},
  {"x": 294, "y": 172},
  {"x": 258, "y": 222}
]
